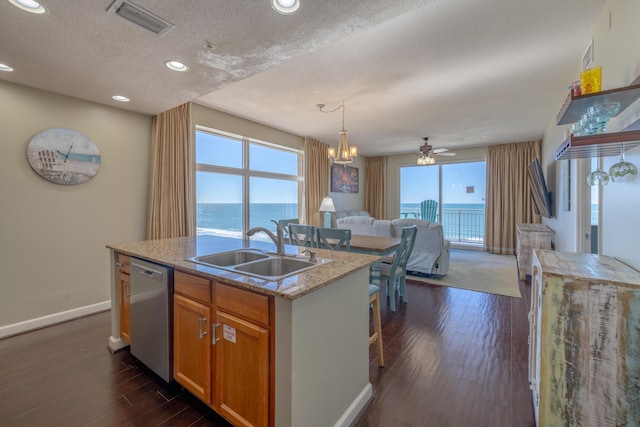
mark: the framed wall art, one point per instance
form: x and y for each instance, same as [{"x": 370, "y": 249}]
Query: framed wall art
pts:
[{"x": 344, "y": 179}]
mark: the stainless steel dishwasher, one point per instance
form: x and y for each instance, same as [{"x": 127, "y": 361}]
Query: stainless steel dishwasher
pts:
[{"x": 151, "y": 313}]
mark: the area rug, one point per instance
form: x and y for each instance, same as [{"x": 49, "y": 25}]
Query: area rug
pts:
[{"x": 478, "y": 271}]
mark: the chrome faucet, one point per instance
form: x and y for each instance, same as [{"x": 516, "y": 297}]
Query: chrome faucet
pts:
[{"x": 277, "y": 239}]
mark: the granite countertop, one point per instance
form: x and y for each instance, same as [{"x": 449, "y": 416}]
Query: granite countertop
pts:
[{"x": 173, "y": 253}]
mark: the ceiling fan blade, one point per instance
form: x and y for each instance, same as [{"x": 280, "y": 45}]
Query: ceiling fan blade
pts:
[
  {"x": 447, "y": 154},
  {"x": 439, "y": 150}
]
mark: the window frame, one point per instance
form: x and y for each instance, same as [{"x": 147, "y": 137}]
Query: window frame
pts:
[{"x": 246, "y": 173}]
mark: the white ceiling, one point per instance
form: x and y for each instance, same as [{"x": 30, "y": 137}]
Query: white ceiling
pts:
[{"x": 464, "y": 72}]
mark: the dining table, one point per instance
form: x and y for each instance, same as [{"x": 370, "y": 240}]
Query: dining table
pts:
[{"x": 373, "y": 245}]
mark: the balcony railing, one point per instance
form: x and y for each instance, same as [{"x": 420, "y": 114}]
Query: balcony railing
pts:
[
  {"x": 463, "y": 225},
  {"x": 459, "y": 225}
]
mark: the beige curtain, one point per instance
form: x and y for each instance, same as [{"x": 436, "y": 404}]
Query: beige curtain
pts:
[
  {"x": 318, "y": 167},
  {"x": 374, "y": 186},
  {"x": 169, "y": 209},
  {"x": 508, "y": 195}
]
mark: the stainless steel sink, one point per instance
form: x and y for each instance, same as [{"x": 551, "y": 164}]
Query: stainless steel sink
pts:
[
  {"x": 257, "y": 264},
  {"x": 275, "y": 268},
  {"x": 225, "y": 259}
]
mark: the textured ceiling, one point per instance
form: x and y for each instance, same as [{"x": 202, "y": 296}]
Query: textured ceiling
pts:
[{"x": 466, "y": 72}]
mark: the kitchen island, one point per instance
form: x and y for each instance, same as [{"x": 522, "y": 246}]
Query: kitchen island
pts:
[{"x": 314, "y": 331}]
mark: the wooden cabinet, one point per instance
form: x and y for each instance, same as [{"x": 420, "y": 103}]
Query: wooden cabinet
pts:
[
  {"x": 242, "y": 362},
  {"x": 584, "y": 340},
  {"x": 528, "y": 238},
  {"x": 191, "y": 348},
  {"x": 123, "y": 263},
  {"x": 227, "y": 363}
]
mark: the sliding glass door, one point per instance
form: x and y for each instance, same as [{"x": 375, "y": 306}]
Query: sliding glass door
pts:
[{"x": 459, "y": 189}]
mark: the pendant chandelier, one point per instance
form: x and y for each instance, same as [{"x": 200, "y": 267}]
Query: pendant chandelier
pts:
[{"x": 344, "y": 154}]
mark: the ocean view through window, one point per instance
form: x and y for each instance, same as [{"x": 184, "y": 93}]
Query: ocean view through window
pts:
[
  {"x": 243, "y": 183},
  {"x": 460, "y": 191}
]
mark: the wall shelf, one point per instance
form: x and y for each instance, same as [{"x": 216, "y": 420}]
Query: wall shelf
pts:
[
  {"x": 575, "y": 106},
  {"x": 606, "y": 144},
  {"x": 599, "y": 145}
]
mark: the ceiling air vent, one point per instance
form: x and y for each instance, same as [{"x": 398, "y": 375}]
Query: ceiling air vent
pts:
[{"x": 139, "y": 16}]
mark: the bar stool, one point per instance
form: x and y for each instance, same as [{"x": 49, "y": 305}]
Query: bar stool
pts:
[{"x": 374, "y": 302}]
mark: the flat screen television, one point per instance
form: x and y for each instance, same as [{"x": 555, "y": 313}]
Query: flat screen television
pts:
[{"x": 539, "y": 194}]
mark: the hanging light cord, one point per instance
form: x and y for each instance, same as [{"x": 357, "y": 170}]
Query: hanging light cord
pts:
[{"x": 321, "y": 106}]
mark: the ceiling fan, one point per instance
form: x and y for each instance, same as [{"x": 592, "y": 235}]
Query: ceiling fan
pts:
[{"x": 427, "y": 152}]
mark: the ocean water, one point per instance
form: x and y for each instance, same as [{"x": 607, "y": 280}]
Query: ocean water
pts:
[{"x": 226, "y": 218}]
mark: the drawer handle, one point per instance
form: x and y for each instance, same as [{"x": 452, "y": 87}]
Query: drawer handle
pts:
[
  {"x": 202, "y": 331},
  {"x": 213, "y": 329},
  {"x": 121, "y": 264},
  {"x": 127, "y": 290}
]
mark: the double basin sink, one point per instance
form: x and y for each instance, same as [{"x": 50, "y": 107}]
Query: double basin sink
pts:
[{"x": 258, "y": 264}]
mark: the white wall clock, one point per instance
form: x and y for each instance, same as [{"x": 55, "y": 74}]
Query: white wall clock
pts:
[{"x": 63, "y": 156}]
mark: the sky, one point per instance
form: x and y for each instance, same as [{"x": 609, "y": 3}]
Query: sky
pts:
[{"x": 227, "y": 188}]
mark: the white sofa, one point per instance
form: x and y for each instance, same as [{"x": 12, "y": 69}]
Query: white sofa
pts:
[
  {"x": 431, "y": 251},
  {"x": 335, "y": 216}
]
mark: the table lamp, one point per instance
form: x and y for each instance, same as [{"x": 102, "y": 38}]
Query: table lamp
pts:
[{"x": 328, "y": 207}]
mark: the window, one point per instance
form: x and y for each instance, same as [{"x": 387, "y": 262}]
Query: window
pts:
[
  {"x": 459, "y": 189},
  {"x": 243, "y": 183}
]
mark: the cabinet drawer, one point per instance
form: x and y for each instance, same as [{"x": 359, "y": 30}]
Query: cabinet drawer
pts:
[
  {"x": 244, "y": 304},
  {"x": 191, "y": 286}
]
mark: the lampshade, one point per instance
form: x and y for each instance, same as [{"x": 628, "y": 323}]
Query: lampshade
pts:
[
  {"x": 327, "y": 205},
  {"x": 426, "y": 160}
]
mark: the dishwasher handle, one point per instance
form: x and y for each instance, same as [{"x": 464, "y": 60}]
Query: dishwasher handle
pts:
[{"x": 148, "y": 272}]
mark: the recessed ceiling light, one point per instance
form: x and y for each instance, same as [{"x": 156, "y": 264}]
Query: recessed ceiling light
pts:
[
  {"x": 176, "y": 66},
  {"x": 5, "y": 67},
  {"x": 120, "y": 98},
  {"x": 285, "y": 7},
  {"x": 28, "y": 5}
]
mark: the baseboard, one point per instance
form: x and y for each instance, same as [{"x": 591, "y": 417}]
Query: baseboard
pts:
[
  {"x": 356, "y": 407},
  {"x": 52, "y": 319}
]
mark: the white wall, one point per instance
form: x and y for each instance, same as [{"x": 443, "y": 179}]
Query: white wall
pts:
[
  {"x": 217, "y": 120},
  {"x": 616, "y": 49},
  {"x": 53, "y": 236}
]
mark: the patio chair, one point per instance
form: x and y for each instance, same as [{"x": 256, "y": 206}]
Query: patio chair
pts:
[{"x": 429, "y": 210}]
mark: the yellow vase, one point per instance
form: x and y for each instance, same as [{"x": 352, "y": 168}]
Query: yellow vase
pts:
[{"x": 591, "y": 80}]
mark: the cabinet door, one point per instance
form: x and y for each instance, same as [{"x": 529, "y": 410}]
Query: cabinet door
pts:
[
  {"x": 241, "y": 377},
  {"x": 535, "y": 316},
  {"x": 124, "y": 266},
  {"x": 125, "y": 316},
  {"x": 191, "y": 348}
]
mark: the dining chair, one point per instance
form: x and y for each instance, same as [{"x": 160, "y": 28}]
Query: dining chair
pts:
[
  {"x": 376, "y": 337},
  {"x": 302, "y": 235},
  {"x": 333, "y": 238},
  {"x": 395, "y": 273},
  {"x": 285, "y": 224}
]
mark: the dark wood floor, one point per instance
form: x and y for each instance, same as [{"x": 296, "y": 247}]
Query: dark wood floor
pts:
[{"x": 453, "y": 358}]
